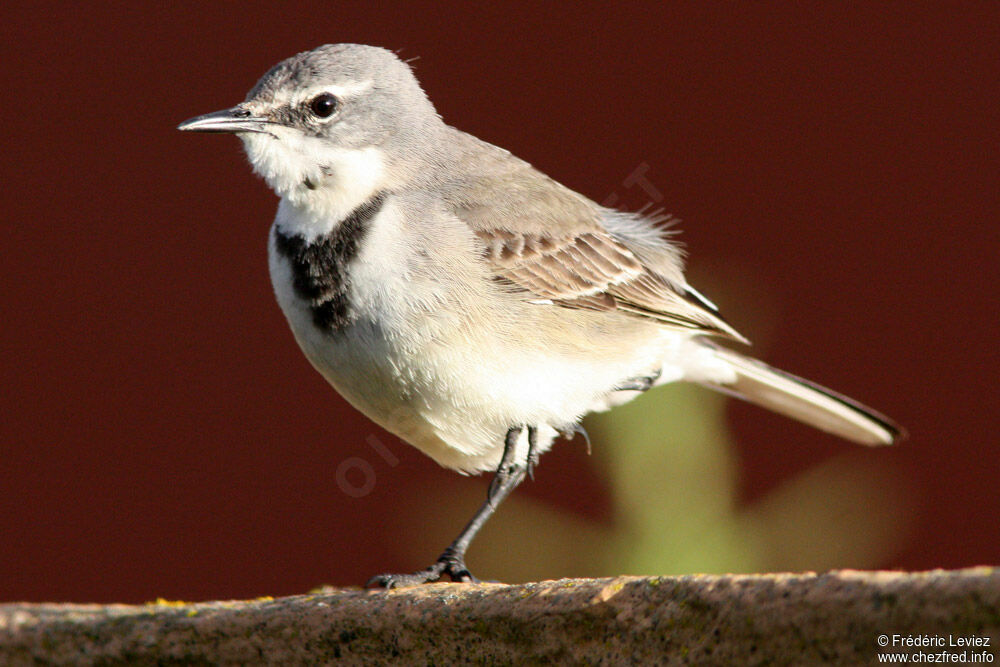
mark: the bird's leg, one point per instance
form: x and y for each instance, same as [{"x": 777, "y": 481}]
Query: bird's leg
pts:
[
  {"x": 532, "y": 459},
  {"x": 506, "y": 471},
  {"x": 452, "y": 562}
]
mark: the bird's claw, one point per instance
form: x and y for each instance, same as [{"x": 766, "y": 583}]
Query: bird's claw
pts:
[{"x": 452, "y": 567}]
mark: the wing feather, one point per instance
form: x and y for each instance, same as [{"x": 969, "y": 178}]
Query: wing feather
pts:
[
  {"x": 559, "y": 248},
  {"x": 598, "y": 272}
]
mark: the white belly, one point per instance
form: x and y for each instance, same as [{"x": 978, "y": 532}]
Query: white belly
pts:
[{"x": 450, "y": 378}]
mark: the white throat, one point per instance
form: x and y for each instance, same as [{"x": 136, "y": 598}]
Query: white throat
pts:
[{"x": 319, "y": 184}]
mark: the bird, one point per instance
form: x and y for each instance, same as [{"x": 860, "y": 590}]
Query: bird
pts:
[{"x": 465, "y": 301}]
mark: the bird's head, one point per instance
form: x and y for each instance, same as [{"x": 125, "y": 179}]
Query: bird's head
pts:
[{"x": 329, "y": 123}]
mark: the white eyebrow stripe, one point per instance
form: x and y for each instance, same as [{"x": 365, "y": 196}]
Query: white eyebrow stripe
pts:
[{"x": 342, "y": 91}]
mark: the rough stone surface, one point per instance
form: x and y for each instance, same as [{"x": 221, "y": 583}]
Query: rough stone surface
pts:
[{"x": 745, "y": 619}]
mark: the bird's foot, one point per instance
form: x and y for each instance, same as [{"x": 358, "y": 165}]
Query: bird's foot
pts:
[{"x": 447, "y": 565}]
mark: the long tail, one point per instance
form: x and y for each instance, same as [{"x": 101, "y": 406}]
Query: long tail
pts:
[{"x": 805, "y": 401}]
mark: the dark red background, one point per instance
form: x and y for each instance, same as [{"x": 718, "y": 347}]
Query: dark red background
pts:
[{"x": 162, "y": 435}]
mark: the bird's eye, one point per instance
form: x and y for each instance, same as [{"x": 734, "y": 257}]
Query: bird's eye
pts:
[{"x": 323, "y": 106}]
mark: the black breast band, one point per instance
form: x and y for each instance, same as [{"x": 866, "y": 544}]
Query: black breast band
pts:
[{"x": 320, "y": 269}]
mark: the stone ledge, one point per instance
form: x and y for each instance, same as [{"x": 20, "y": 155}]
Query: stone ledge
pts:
[{"x": 740, "y": 619}]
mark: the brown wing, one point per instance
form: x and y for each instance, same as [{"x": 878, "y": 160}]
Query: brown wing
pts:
[
  {"x": 549, "y": 242},
  {"x": 560, "y": 269},
  {"x": 597, "y": 271}
]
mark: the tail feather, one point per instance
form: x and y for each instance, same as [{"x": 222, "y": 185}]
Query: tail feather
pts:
[{"x": 806, "y": 401}]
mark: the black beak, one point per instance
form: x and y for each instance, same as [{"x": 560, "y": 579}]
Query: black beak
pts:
[{"x": 236, "y": 119}]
